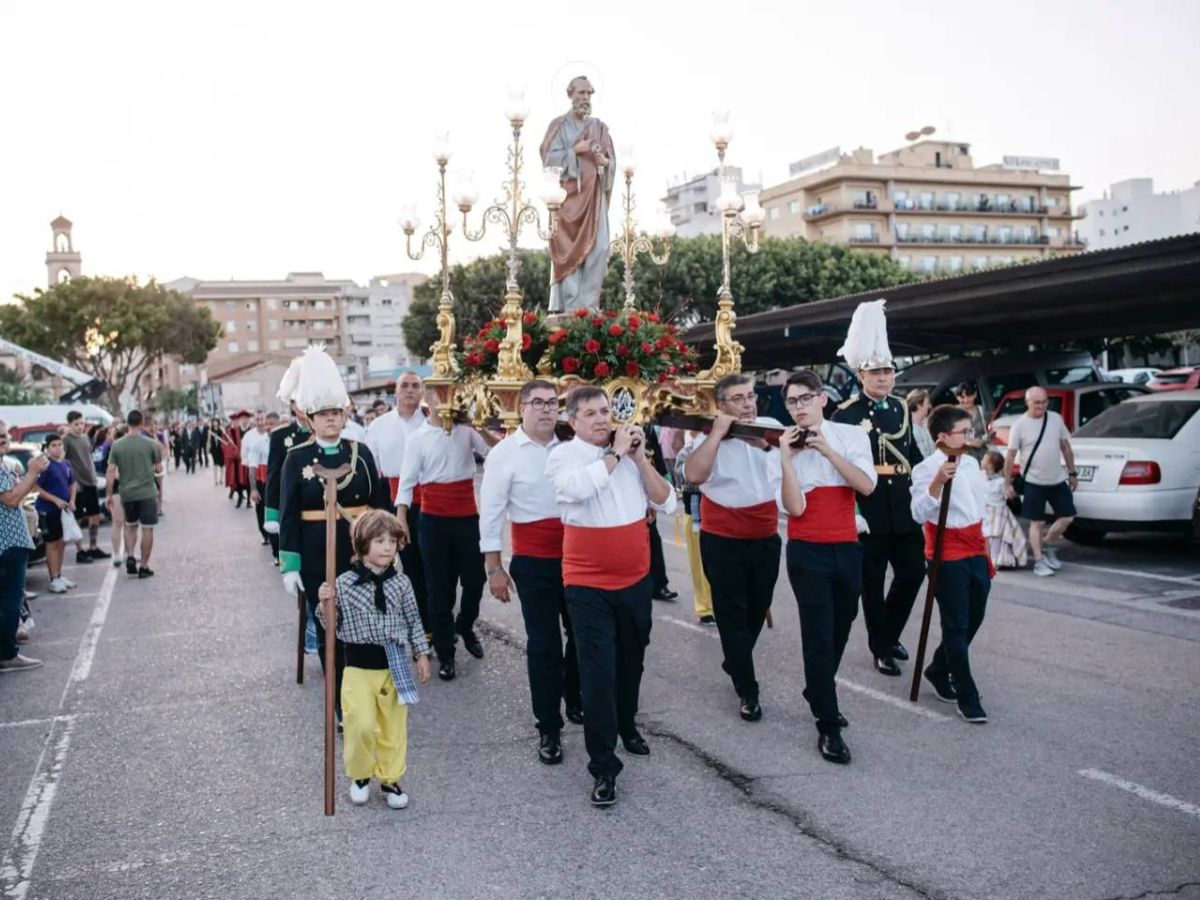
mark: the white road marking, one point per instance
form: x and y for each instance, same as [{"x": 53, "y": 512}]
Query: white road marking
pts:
[
  {"x": 16, "y": 870},
  {"x": 25, "y": 723},
  {"x": 898, "y": 702},
  {"x": 1190, "y": 580},
  {"x": 1145, "y": 793}
]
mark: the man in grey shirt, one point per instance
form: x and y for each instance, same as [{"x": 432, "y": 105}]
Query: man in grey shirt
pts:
[
  {"x": 1044, "y": 443},
  {"x": 87, "y": 499}
]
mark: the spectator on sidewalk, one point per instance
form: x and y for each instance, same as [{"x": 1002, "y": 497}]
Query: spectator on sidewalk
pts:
[
  {"x": 137, "y": 460},
  {"x": 966, "y": 395},
  {"x": 15, "y": 547},
  {"x": 1043, "y": 442},
  {"x": 56, "y": 493},
  {"x": 919, "y": 408},
  {"x": 78, "y": 449},
  {"x": 112, "y": 501}
]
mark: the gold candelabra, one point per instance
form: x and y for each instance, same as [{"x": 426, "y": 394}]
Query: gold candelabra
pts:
[
  {"x": 628, "y": 244},
  {"x": 445, "y": 375}
]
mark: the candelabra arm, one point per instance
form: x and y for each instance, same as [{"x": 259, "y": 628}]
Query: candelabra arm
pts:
[{"x": 496, "y": 214}]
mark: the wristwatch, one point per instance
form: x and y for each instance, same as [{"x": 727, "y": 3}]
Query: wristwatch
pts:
[
  {"x": 611, "y": 452},
  {"x": 1072, "y": 474}
]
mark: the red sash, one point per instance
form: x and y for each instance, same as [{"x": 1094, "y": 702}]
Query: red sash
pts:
[
  {"x": 542, "y": 539},
  {"x": 959, "y": 543},
  {"x": 746, "y": 522},
  {"x": 260, "y": 472},
  {"x": 449, "y": 498},
  {"x": 606, "y": 558},
  {"x": 394, "y": 489},
  {"x": 828, "y": 517}
]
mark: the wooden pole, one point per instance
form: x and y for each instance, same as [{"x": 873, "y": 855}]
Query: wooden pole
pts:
[
  {"x": 303, "y": 604},
  {"x": 330, "y": 477},
  {"x": 931, "y": 585}
]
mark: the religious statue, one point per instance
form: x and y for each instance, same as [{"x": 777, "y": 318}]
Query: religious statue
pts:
[{"x": 581, "y": 147}]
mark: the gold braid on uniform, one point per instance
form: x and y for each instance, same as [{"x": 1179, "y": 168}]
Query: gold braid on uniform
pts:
[{"x": 887, "y": 447}]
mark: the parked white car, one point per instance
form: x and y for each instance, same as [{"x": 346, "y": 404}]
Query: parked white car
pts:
[
  {"x": 1132, "y": 376},
  {"x": 1139, "y": 466}
]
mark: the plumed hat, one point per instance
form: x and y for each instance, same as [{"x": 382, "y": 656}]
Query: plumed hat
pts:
[
  {"x": 866, "y": 345},
  {"x": 320, "y": 384},
  {"x": 290, "y": 381}
]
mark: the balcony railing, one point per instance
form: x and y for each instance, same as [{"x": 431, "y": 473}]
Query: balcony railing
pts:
[
  {"x": 869, "y": 203},
  {"x": 865, "y": 239},
  {"x": 817, "y": 209},
  {"x": 977, "y": 206},
  {"x": 971, "y": 239}
]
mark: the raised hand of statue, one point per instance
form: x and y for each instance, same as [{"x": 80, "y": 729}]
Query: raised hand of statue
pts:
[{"x": 582, "y": 148}]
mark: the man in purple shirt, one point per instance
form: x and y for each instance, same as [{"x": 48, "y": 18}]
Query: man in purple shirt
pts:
[{"x": 55, "y": 492}]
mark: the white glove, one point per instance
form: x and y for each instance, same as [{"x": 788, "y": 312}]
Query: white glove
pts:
[
  {"x": 292, "y": 583},
  {"x": 271, "y": 527}
]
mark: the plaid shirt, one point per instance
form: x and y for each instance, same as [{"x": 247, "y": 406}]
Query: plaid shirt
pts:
[{"x": 360, "y": 622}]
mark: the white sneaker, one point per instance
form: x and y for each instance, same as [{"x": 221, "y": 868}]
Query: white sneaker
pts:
[
  {"x": 1050, "y": 555},
  {"x": 67, "y": 581},
  {"x": 360, "y": 794},
  {"x": 57, "y": 586},
  {"x": 1042, "y": 568},
  {"x": 396, "y": 798}
]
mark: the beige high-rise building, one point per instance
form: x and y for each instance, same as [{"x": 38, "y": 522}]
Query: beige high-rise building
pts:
[{"x": 928, "y": 207}]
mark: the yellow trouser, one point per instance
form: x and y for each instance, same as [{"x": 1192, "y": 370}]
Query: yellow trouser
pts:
[
  {"x": 701, "y": 592},
  {"x": 375, "y": 726}
]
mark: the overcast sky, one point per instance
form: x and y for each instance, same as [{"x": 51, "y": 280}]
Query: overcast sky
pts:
[{"x": 249, "y": 139}]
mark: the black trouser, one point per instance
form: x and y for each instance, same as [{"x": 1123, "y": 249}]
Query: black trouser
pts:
[
  {"x": 450, "y": 551},
  {"x": 414, "y": 568},
  {"x": 312, "y": 582},
  {"x": 261, "y": 489},
  {"x": 827, "y": 579},
  {"x": 189, "y": 460},
  {"x": 612, "y": 630},
  {"x": 553, "y": 674},
  {"x": 202, "y": 453},
  {"x": 742, "y": 574},
  {"x": 962, "y": 592},
  {"x": 886, "y": 617},
  {"x": 658, "y": 565}
]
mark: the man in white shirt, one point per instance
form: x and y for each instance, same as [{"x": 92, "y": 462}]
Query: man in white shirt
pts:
[
  {"x": 515, "y": 486},
  {"x": 255, "y": 446},
  {"x": 739, "y": 525},
  {"x": 603, "y": 492},
  {"x": 965, "y": 573},
  {"x": 1043, "y": 442},
  {"x": 824, "y": 558},
  {"x": 444, "y": 466},
  {"x": 387, "y": 437}
]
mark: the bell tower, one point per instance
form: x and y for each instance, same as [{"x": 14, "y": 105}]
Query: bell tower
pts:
[{"x": 63, "y": 261}]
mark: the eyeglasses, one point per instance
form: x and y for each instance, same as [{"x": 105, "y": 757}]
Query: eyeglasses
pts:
[
  {"x": 739, "y": 399},
  {"x": 964, "y": 432},
  {"x": 540, "y": 405},
  {"x": 800, "y": 401}
]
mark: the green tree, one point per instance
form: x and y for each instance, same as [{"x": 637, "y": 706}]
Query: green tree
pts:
[
  {"x": 114, "y": 329},
  {"x": 785, "y": 272},
  {"x": 169, "y": 400},
  {"x": 15, "y": 390}
]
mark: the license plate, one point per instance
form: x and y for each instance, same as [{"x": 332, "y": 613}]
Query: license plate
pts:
[{"x": 1086, "y": 472}]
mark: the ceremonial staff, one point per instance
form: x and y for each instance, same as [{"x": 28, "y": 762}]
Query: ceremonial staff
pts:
[
  {"x": 330, "y": 477},
  {"x": 934, "y": 565},
  {"x": 302, "y": 603}
]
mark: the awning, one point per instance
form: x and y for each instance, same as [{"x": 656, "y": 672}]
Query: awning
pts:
[{"x": 1144, "y": 288}]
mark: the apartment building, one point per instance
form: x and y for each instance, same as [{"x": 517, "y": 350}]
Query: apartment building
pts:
[
  {"x": 373, "y": 317},
  {"x": 692, "y": 202},
  {"x": 1130, "y": 212},
  {"x": 928, "y": 207}
]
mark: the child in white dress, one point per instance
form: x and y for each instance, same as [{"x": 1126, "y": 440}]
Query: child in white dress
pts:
[{"x": 1006, "y": 540}]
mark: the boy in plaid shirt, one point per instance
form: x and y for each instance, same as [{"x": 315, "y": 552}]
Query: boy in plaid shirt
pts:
[{"x": 377, "y": 621}]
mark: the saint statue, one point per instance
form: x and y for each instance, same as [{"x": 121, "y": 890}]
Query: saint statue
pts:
[{"x": 582, "y": 148}]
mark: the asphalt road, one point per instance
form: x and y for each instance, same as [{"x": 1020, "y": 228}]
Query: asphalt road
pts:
[{"x": 164, "y": 751}]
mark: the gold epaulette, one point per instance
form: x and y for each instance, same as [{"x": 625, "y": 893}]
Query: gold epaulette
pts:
[
  {"x": 311, "y": 437},
  {"x": 846, "y": 404}
]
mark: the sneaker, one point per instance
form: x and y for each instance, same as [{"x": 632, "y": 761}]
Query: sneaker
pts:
[
  {"x": 972, "y": 711},
  {"x": 82, "y": 557},
  {"x": 116, "y": 563},
  {"x": 29, "y": 595},
  {"x": 1050, "y": 555},
  {"x": 145, "y": 572},
  {"x": 360, "y": 791},
  {"x": 67, "y": 581},
  {"x": 19, "y": 663},
  {"x": 130, "y": 565},
  {"x": 1042, "y": 568},
  {"x": 942, "y": 687},
  {"x": 396, "y": 798},
  {"x": 57, "y": 586},
  {"x": 97, "y": 553}
]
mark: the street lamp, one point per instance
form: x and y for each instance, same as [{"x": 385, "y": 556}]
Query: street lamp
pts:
[{"x": 628, "y": 244}]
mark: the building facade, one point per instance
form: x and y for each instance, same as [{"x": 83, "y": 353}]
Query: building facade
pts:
[
  {"x": 1130, "y": 212},
  {"x": 373, "y": 317},
  {"x": 63, "y": 261},
  {"x": 928, "y": 207},
  {"x": 692, "y": 202}
]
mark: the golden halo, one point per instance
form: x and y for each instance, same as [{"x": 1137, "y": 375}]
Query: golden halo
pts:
[{"x": 567, "y": 71}]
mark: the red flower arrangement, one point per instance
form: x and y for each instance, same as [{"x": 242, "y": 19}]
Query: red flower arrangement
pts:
[
  {"x": 480, "y": 351},
  {"x": 633, "y": 344}
]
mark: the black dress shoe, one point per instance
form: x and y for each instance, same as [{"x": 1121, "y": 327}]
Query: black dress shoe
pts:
[
  {"x": 636, "y": 744},
  {"x": 750, "y": 710},
  {"x": 471, "y": 642},
  {"x": 446, "y": 671},
  {"x": 942, "y": 688},
  {"x": 575, "y": 714},
  {"x": 885, "y": 665},
  {"x": 664, "y": 594},
  {"x": 708, "y": 620},
  {"x": 833, "y": 748},
  {"x": 605, "y": 791},
  {"x": 550, "y": 749},
  {"x": 898, "y": 652},
  {"x": 842, "y": 723},
  {"x": 97, "y": 553}
]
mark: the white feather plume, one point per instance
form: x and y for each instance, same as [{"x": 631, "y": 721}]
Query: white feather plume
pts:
[
  {"x": 867, "y": 340},
  {"x": 290, "y": 381},
  {"x": 320, "y": 385}
]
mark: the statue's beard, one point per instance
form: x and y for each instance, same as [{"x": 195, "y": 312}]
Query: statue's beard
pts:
[{"x": 582, "y": 107}]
